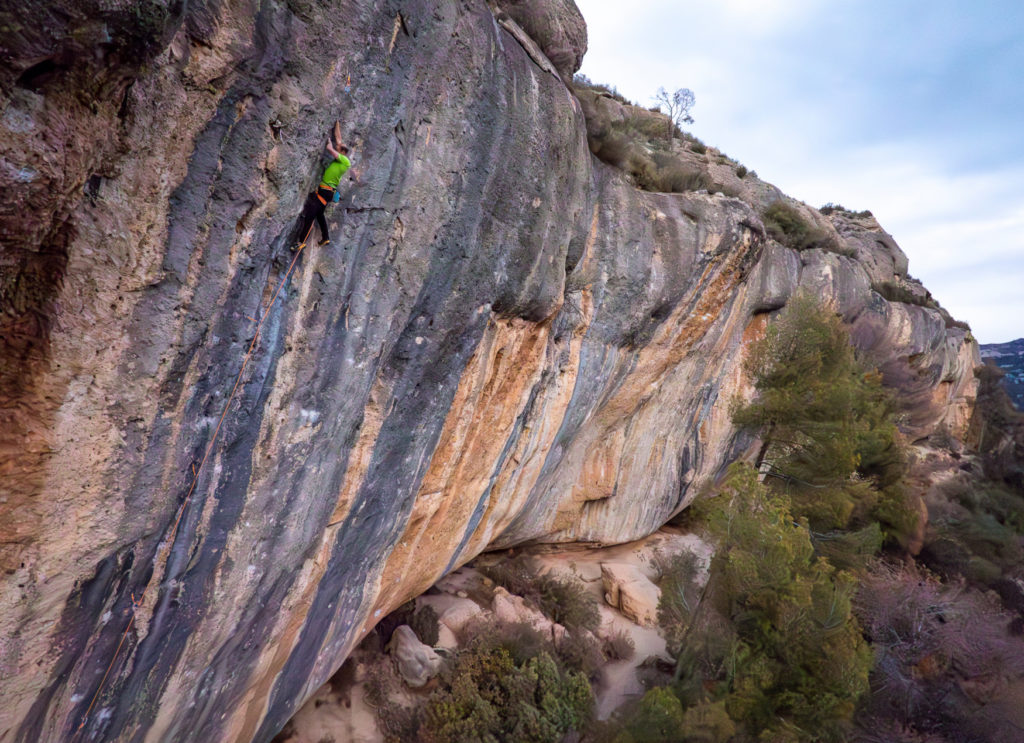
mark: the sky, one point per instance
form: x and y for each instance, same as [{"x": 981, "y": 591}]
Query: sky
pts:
[{"x": 913, "y": 109}]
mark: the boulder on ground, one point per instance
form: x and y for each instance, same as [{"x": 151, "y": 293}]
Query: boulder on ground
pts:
[
  {"x": 627, "y": 589},
  {"x": 417, "y": 663}
]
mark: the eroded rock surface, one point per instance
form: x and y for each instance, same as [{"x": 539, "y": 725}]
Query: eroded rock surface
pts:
[{"x": 504, "y": 342}]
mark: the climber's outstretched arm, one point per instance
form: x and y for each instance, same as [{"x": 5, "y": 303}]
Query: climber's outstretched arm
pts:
[{"x": 334, "y": 153}]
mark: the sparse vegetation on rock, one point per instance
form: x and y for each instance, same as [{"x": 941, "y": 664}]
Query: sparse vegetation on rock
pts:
[
  {"x": 785, "y": 224},
  {"x": 831, "y": 208},
  {"x": 561, "y": 598}
]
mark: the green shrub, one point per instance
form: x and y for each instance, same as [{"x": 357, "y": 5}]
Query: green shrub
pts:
[
  {"x": 981, "y": 540},
  {"x": 708, "y": 722},
  {"x": 386, "y": 626},
  {"x": 584, "y": 82},
  {"x": 487, "y": 696},
  {"x": 657, "y": 717},
  {"x": 521, "y": 640},
  {"x": 515, "y": 575},
  {"x": 580, "y": 652},
  {"x": 563, "y": 599},
  {"x": 698, "y": 147},
  {"x": 613, "y": 148},
  {"x": 830, "y": 208},
  {"x": 650, "y": 128},
  {"x": 785, "y": 224},
  {"x": 741, "y": 171},
  {"x": 672, "y": 178},
  {"x": 850, "y": 550},
  {"x": 397, "y": 722}
]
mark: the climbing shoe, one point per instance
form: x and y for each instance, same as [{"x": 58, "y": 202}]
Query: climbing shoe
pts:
[
  {"x": 326, "y": 241},
  {"x": 296, "y": 248}
]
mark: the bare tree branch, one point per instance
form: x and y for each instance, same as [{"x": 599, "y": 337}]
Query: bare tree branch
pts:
[{"x": 677, "y": 105}]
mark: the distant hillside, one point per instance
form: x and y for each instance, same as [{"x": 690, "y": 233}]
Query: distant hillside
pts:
[{"x": 1010, "y": 358}]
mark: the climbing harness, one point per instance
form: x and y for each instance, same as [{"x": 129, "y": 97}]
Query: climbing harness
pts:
[{"x": 169, "y": 540}]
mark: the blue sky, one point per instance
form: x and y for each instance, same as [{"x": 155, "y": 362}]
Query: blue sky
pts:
[{"x": 912, "y": 109}]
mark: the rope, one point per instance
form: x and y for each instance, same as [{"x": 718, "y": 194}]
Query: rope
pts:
[{"x": 195, "y": 478}]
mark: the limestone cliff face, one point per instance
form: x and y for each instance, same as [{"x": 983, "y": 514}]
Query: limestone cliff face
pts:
[{"x": 505, "y": 341}]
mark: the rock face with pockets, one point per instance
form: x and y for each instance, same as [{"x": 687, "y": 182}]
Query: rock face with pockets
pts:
[{"x": 504, "y": 342}]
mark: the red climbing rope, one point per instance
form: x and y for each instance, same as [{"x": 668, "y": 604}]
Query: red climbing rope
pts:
[{"x": 195, "y": 478}]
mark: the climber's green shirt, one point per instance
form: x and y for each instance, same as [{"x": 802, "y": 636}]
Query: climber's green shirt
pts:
[{"x": 337, "y": 168}]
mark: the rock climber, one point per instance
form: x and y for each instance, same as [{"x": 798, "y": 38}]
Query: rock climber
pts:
[{"x": 317, "y": 201}]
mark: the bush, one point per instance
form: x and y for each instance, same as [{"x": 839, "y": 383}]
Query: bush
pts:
[
  {"x": 613, "y": 148},
  {"x": 698, "y": 147},
  {"x": 487, "y": 696},
  {"x": 785, "y": 224},
  {"x": 658, "y": 716},
  {"x": 953, "y": 323},
  {"x": 580, "y": 652},
  {"x": 708, "y": 723},
  {"x": 934, "y": 642},
  {"x": 514, "y": 575},
  {"x": 619, "y": 646},
  {"x": 386, "y": 626},
  {"x": 521, "y": 640},
  {"x": 894, "y": 292},
  {"x": 582, "y": 81},
  {"x": 979, "y": 535},
  {"x": 563, "y": 599},
  {"x": 650, "y": 128},
  {"x": 673, "y": 177},
  {"x": 850, "y": 550},
  {"x": 397, "y": 722},
  {"x": 741, "y": 171},
  {"x": 830, "y": 208}
]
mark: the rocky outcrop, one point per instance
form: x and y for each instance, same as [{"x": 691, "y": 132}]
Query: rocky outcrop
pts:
[
  {"x": 505, "y": 342},
  {"x": 556, "y": 26},
  {"x": 629, "y": 590},
  {"x": 417, "y": 663}
]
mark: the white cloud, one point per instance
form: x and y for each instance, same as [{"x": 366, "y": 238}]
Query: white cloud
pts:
[{"x": 854, "y": 106}]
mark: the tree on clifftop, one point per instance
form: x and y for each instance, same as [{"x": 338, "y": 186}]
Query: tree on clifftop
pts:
[{"x": 677, "y": 106}]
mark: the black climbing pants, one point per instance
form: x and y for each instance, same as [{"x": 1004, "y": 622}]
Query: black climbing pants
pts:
[{"x": 314, "y": 207}]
